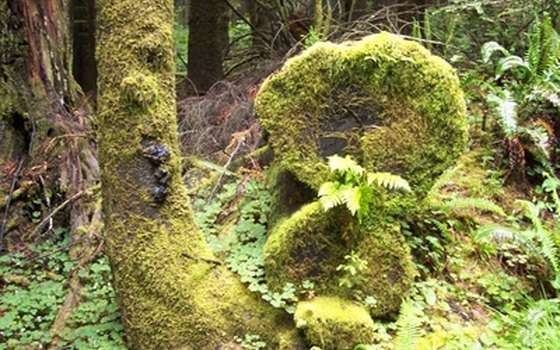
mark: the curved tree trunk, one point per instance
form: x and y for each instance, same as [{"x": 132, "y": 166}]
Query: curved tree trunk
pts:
[{"x": 172, "y": 291}]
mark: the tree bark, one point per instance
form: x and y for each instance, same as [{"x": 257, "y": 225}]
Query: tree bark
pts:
[
  {"x": 208, "y": 40},
  {"x": 45, "y": 138},
  {"x": 43, "y": 121},
  {"x": 173, "y": 292}
]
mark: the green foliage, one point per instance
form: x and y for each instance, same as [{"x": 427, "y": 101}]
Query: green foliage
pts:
[
  {"x": 481, "y": 204},
  {"x": 33, "y": 290},
  {"x": 252, "y": 342},
  {"x": 312, "y": 37},
  {"x": 408, "y": 327},
  {"x": 353, "y": 187},
  {"x": 95, "y": 324},
  {"x": 536, "y": 240},
  {"x": 250, "y": 200},
  {"x": 181, "y": 41},
  {"x": 536, "y": 326},
  {"x": 351, "y": 276}
]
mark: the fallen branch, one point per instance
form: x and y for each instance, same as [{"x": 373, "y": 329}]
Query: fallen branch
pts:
[{"x": 77, "y": 195}]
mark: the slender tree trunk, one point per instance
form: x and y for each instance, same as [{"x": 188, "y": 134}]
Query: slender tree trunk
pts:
[
  {"x": 208, "y": 39},
  {"x": 173, "y": 292}
]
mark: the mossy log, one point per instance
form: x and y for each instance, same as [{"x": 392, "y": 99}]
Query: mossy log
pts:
[{"x": 172, "y": 292}]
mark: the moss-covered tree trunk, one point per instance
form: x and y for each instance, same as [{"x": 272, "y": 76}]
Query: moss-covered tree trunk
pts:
[{"x": 172, "y": 291}]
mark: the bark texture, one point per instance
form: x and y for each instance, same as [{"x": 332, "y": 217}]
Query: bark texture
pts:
[
  {"x": 208, "y": 40},
  {"x": 172, "y": 291}
]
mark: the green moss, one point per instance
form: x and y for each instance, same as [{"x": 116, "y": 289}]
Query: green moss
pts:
[
  {"x": 333, "y": 323},
  {"x": 310, "y": 245},
  {"x": 172, "y": 293},
  {"x": 306, "y": 246},
  {"x": 409, "y": 104}
]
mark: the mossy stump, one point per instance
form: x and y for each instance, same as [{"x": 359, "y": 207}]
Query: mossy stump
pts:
[
  {"x": 386, "y": 101},
  {"x": 311, "y": 244},
  {"x": 334, "y": 323},
  {"x": 393, "y": 107}
]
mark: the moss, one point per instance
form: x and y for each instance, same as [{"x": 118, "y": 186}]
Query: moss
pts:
[
  {"x": 172, "y": 293},
  {"x": 333, "y": 323},
  {"x": 309, "y": 246},
  {"x": 399, "y": 109},
  {"x": 306, "y": 246}
]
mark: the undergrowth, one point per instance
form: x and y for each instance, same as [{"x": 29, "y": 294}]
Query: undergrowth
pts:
[{"x": 33, "y": 287}]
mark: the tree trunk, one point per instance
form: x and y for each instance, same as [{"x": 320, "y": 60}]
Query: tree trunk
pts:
[
  {"x": 182, "y": 12},
  {"x": 208, "y": 40},
  {"x": 43, "y": 124},
  {"x": 46, "y": 142},
  {"x": 173, "y": 292}
]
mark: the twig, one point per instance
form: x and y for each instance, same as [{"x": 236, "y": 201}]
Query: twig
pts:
[
  {"x": 61, "y": 206},
  {"x": 240, "y": 15},
  {"x": 225, "y": 169},
  {"x": 208, "y": 260}
]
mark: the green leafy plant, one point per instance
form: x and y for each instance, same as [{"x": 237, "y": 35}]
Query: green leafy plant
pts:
[
  {"x": 252, "y": 342},
  {"x": 537, "y": 239},
  {"x": 408, "y": 327},
  {"x": 32, "y": 290},
  {"x": 524, "y": 89},
  {"x": 351, "y": 276},
  {"x": 355, "y": 188}
]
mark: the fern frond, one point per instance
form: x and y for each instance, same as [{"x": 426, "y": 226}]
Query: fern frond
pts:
[
  {"x": 408, "y": 327},
  {"x": 352, "y": 199},
  {"x": 346, "y": 164},
  {"x": 549, "y": 94},
  {"x": 489, "y": 48},
  {"x": 510, "y": 62},
  {"x": 531, "y": 212},
  {"x": 330, "y": 195},
  {"x": 500, "y": 234},
  {"x": 548, "y": 249},
  {"x": 481, "y": 204},
  {"x": 533, "y": 53},
  {"x": 443, "y": 180},
  {"x": 506, "y": 107},
  {"x": 388, "y": 180},
  {"x": 542, "y": 53}
]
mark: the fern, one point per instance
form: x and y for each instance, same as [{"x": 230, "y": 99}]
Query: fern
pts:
[
  {"x": 481, "y": 204},
  {"x": 500, "y": 234},
  {"x": 388, "y": 180},
  {"x": 344, "y": 165},
  {"x": 506, "y": 107},
  {"x": 442, "y": 181},
  {"x": 352, "y": 186},
  {"x": 542, "y": 53},
  {"x": 408, "y": 327},
  {"x": 489, "y": 48},
  {"x": 546, "y": 248}
]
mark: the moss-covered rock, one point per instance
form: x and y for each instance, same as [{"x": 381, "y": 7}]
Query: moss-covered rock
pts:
[
  {"x": 384, "y": 100},
  {"x": 334, "y": 323},
  {"x": 312, "y": 243}
]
